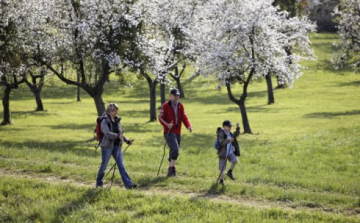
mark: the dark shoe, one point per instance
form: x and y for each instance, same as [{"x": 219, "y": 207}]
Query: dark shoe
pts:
[
  {"x": 132, "y": 187},
  {"x": 170, "y": 172},
  {"x": 221, "y": 181},
  {"x": 230, "y": 175},
  {"x": 174, "y": 174}
]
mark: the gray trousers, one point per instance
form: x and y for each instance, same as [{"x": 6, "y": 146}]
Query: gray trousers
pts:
[{"x": 173, "y": 141}]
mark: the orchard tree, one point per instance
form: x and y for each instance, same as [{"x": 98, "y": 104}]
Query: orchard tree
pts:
[
  {"x": 11, "y": 67},
  {"x": 165, "y": 22},
  {"x": 35, "y": 79},
  {"x": 88, "y": 39},
  {"x": 348, "y": 17},
  {"x": 162, "y": 44},
  {"x": 239, "y": 41}
]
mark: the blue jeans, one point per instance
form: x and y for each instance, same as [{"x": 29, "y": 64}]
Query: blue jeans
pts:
[{"x": 105, "y": 156}]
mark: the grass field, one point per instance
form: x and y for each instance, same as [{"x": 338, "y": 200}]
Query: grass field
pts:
[{"x": 302, "y": 163}]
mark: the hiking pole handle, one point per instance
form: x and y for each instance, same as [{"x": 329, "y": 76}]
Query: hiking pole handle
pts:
[{"x": 128, "y": 145}]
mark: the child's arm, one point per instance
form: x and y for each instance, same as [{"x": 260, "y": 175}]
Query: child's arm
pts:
[
  {"x": 222, "y": 139},
  {"x": 237, "y": 131}
]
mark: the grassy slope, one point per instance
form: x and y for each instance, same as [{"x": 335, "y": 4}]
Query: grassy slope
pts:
[{"x": 303, "y": 160}]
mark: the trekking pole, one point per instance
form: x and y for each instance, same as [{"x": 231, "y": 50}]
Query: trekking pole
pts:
[
  {"x": 112, "y": 178},
  {"x": 128, "y": 145},
  {"x": 167, "y": 134},
  {"x": 115, "y": 161}
]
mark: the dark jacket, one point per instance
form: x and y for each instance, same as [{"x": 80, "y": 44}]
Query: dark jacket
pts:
[
  {"x": 223, "y": 140},
  {"x": 167, "y": 115},
  {"x": 109, "y": 136}
]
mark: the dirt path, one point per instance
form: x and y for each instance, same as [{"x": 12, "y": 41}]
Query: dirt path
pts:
[{"x": 216, "y": 198}]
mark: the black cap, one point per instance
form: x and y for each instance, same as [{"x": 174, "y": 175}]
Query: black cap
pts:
[
  {"x": 174, "y": 91},
  {"x": 227, "y": 123}
]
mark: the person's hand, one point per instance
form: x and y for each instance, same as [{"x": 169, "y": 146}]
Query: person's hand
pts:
[
  {"x": 170, "y": 125},
  {"x": 190, "y": 129},
  {"x": 237, "y": 125},
  {"x": 231, "y": 139},
  {"x": 121, "y": 136},
  {"x": 130, "y": 141}
]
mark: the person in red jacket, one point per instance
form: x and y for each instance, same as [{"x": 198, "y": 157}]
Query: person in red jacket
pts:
[{"x": 171, "y": 116}]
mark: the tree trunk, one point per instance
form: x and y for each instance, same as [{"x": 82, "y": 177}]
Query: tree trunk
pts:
[
  {"x": 271, "y": 99},
  {"x": 36, "y": 88},
  {"x": 152, "y": 86},
  {"x": 245, "y": 120},
  {"x": 177, "y": 78},
  {"x": 39, "y": 104},
  {"x": 152, "y": 90},
  {"x": 6, "y": 106},
  {"x": 180, "y": 88},
  {"x": 99, "y": 103},
  {"x": 241, "y": 101},
  {"x": 78, "y": 87},
  {"x": 162, "y": 92}
]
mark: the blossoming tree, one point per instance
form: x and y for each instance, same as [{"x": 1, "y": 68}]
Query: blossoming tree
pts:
[
  {"x": 91, "y": 38},
  {"x": 163, "y": 43},
  {"x": 239, "y": 41},
  {"x": 348, "y": 13}
]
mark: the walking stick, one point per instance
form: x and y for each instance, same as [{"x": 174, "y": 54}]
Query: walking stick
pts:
[
  {"x": 167, "y": 134},
  {"x": 128, "y": 145},
  {"x": 114, "y": 166}
]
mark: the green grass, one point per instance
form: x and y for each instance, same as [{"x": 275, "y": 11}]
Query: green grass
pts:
[{"x": 300, "y": 165}]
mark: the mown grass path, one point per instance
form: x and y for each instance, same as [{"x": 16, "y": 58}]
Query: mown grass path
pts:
[{"x": 215, "y": 195}]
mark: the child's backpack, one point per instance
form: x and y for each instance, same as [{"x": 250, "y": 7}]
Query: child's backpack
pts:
[{"x": 217, "y": 144}]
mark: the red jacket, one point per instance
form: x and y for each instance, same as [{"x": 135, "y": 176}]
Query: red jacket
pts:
[{"x": 167, "y": 115}]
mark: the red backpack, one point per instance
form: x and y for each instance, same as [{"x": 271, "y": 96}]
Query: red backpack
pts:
[{"x": 97, "y": 131}]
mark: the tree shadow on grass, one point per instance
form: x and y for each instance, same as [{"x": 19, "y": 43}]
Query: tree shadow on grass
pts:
[
  {"x": 24, "y": 114},
  {"x": 53, "y": 146},
  {"x": 197, "y": 143},
  {"x": 128, "y": 128},
  {"x": 259, "y": 108},
  {"x": 215, "y": 190},
  {"x": 147, "y": 182},
  {"x": 352, "y": 83},
  {"x": 331, "y": 115},
  {"x": 89, "y": 197}
]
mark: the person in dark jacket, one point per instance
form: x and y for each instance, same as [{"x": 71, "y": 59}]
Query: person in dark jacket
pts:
[
  {"x": 111, "y": 145},
  {"x": 172, "y": 115},
  {"x": 229, "y": 149}
]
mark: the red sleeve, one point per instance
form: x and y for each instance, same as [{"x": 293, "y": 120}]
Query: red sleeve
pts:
[
  {"x": 185, "y": 118},
  {"x": 162, "y": 115}
]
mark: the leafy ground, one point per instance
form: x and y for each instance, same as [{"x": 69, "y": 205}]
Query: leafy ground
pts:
[{"x": 300, "y": 165}]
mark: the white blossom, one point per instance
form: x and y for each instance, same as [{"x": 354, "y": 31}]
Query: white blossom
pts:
[
  {"x": 232, "y": 37},
  {"x": 348, "y": 13}
]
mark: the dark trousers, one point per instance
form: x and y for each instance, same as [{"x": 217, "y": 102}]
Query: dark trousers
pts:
[{"x": 173, "y": 141}]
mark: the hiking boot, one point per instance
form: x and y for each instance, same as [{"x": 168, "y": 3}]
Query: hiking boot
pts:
[
  {"x": 132, "y": 187},
  {"x": 174, "y": 173},
  {"x": 170, "y": 172},
  {"x": 230, "y": 175},
  {"x": 221, "y": 181}
]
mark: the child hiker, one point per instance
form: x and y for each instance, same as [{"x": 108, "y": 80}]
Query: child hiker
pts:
[{"x": 229, "y": 149}]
